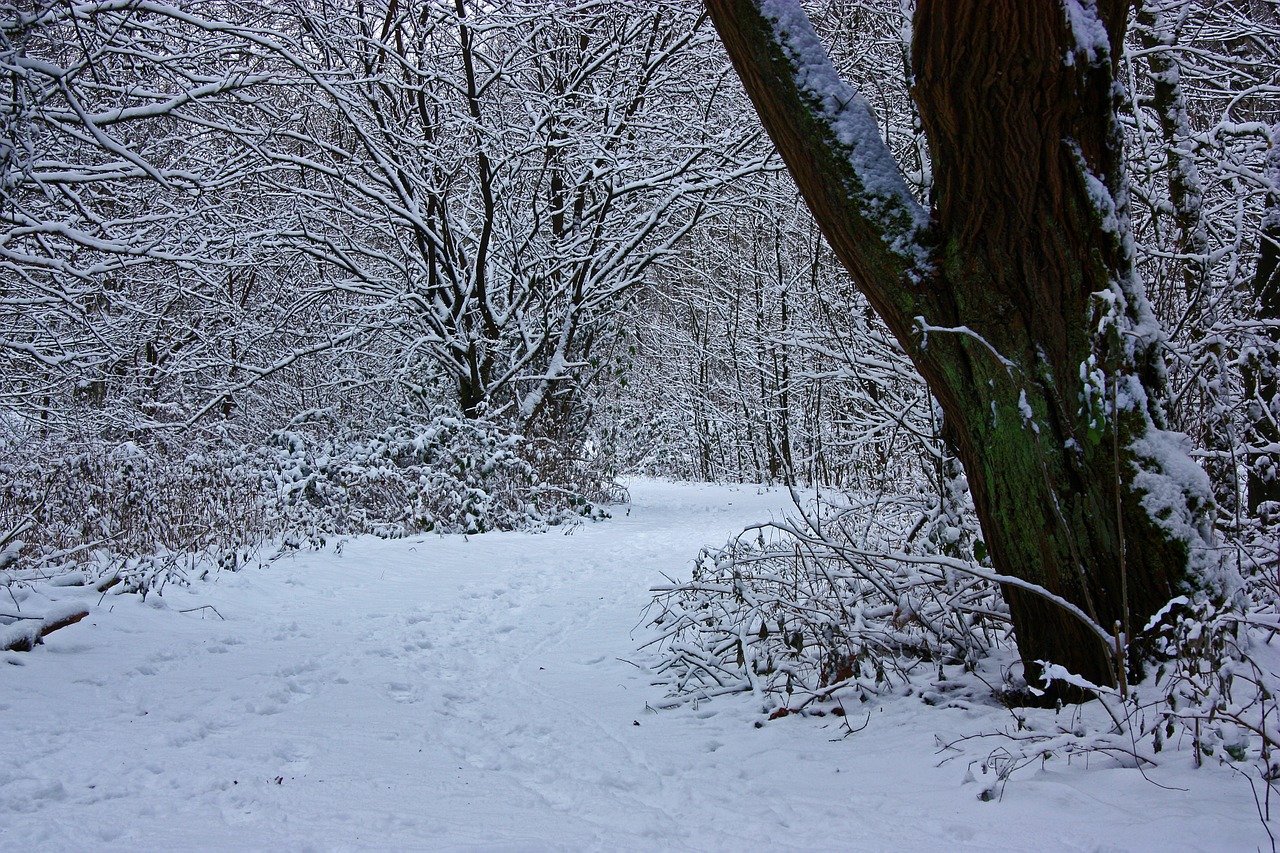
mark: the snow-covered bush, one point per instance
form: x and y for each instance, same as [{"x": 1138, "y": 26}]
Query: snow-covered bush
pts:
[
  {"x": 448, "y": 475},
  {"x": 1212, "y": 697},
  {"x": 1219, "y": 679},
  {"x": 154, "y": 515},
  {"x": 150, "y": 515},
  {"x": 847, "y": 599},
  {"x": 853, "y": 600}
]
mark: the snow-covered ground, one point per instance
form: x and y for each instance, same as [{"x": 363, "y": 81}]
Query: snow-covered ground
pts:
[{"x": 443, "y": 693}]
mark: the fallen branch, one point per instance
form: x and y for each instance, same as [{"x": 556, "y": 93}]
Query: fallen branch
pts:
[
  {"x": 53, "y": 623},
  {"x": 106, "y": 583},
  {"x": 24, "y": 636}
]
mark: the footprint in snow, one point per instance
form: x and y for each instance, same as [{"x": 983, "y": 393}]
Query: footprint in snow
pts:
[
  {"x": 293, "y": 670},
  {"x": 399, "y": 691},
  {"x": 294, "y": 691}
]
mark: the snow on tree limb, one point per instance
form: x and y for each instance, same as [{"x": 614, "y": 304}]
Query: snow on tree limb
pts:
[{"x": 853, "y": 125}]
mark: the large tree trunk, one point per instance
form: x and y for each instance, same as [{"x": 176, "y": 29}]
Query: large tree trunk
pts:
[{"x": 1014, "y": 295}]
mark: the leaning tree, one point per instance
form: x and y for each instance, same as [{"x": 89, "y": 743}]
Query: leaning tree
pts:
[{"x": 1014, "y": 293}]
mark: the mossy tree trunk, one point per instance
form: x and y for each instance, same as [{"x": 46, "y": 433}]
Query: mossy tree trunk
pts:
[{"x": 1014, "y": 295}]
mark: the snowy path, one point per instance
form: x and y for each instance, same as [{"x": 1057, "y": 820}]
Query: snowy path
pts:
[{"x": 451, "y": 694}]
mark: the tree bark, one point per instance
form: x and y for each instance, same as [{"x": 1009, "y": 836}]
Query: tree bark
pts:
[{"x": 1014, "y": 295}]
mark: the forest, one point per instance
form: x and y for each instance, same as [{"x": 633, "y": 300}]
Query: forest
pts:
[{"x": 993, "y": 289}]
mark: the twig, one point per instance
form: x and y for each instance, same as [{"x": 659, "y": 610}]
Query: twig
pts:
[
  {"x": 850, "y": 730},
  {"x": 205, "y": 607},
  {"x": 1261, "y": 815}
]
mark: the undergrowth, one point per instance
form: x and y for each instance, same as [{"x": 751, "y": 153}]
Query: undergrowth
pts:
[
  {"x": 153, "y": 515},
  {"x": 850, "y": 602}
]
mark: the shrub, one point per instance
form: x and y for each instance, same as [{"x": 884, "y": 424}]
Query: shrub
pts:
[{"x": 154, "y": 515}]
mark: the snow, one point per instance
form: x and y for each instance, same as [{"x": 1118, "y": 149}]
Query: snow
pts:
[
  {"x": 1054, "y": 672},
  {"x": 24, "y": 633},
  {"x": 1088, "y": 30},
  {"x": 487, "y": 693},
  {"x": 1028, "y": 414},
  {"x": 854, "y": 125},
  {"x": 1173, "y": 488}
]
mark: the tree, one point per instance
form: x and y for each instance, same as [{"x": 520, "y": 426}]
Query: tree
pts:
[
  {"x": 1264, "y": 485},
  {"x": 1201, "y": 101},
  {"x": 490, "y": 182},
  {"x": 136, "y": 297},
  {"x": 1014, "y": 294},
  {"x": 757, "y": 360},
  {"x": 228, "y": 207}
]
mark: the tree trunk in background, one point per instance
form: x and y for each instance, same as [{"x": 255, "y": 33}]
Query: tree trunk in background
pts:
[
  {"x": 1014, "y": 295},
  {"x": 1215, "y": 431},
  {"x": 1264, "y": 485}
]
